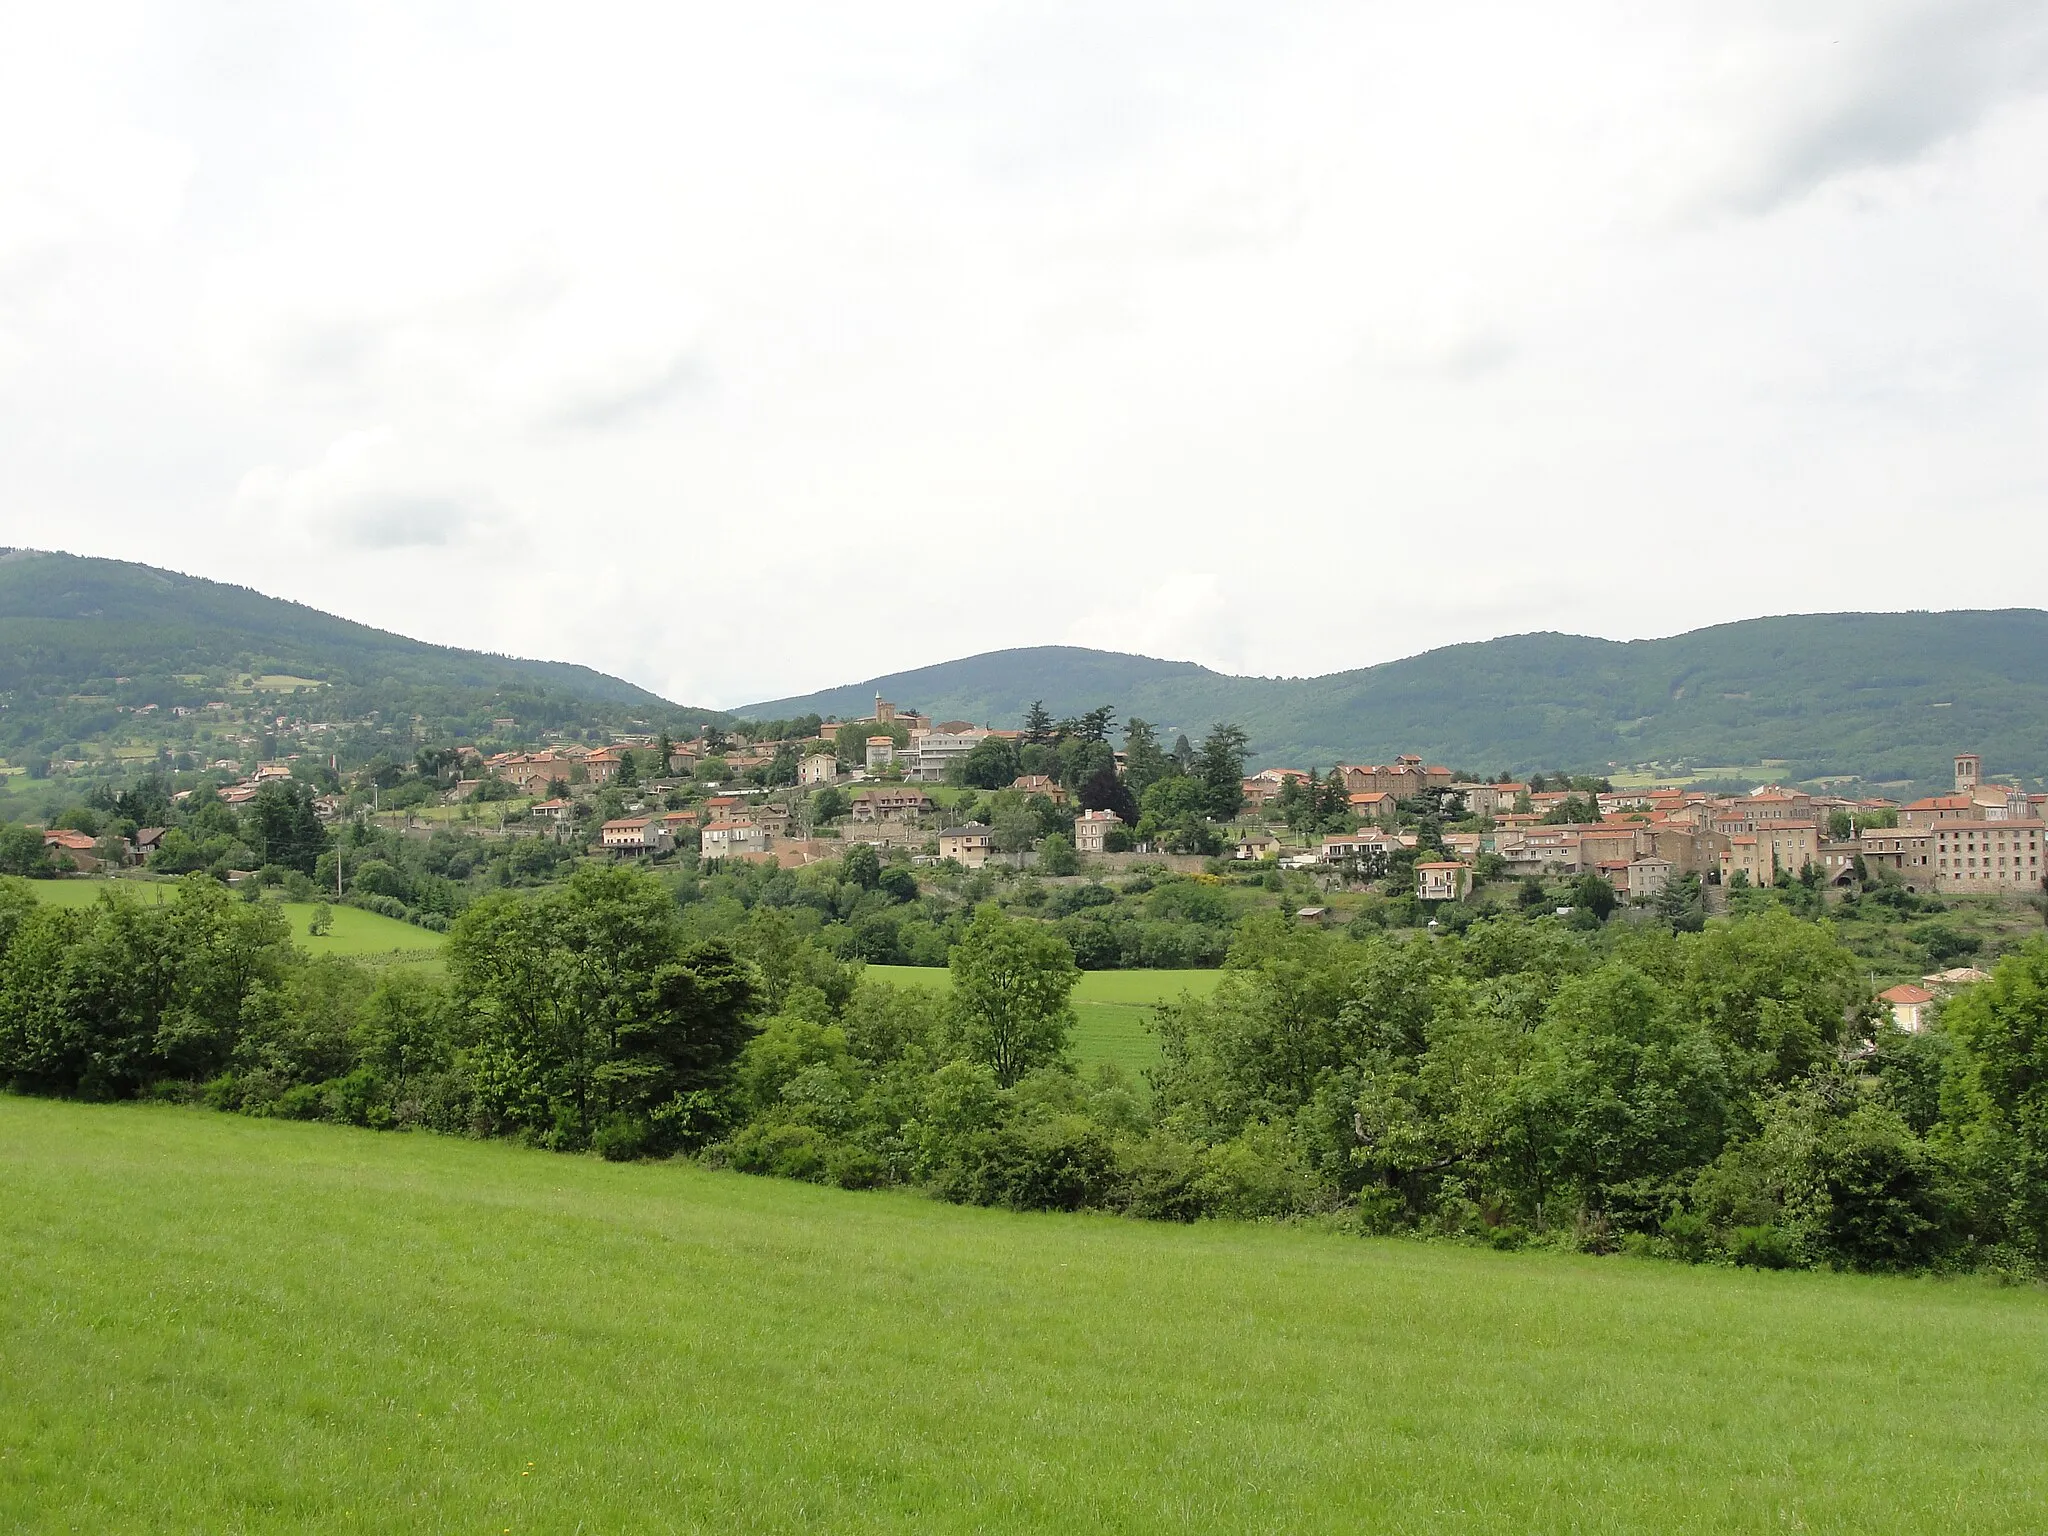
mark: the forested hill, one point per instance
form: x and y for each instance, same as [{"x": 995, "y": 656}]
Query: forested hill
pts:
[
  {"x": 76, "y": 631},
  {"x": 1886, "y": 697}
]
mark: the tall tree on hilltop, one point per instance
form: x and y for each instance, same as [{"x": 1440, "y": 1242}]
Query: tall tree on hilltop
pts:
[
  {"x": 1038, "y": 724},
  {"x": 1144, "y": 763},
  {"x": 1221, "y": 770}
]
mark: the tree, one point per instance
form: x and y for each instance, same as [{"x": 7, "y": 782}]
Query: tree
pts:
[
  {"x": 1183, "y": 754},
  {"x": 991, "y": 765},
  {"x": 1094, "y": 726},
  {"x": 22, "y": 851},
  {"x": 285, "y": 828},
  {"x": 1221, "y": 770},
  {"x": 1038, "y": 724},
  {"x": 1592, "y": 893},
  {"x": 1144, "y": 763},
  {"x": 1056, "y": 855},
  {"x": 862, "y": 866},
  {"x": 1683, "y": 904},
  {"x": 1103, "y": 790},
  {"x": 1995, "y": 1097},
  {"x": 664, "y": 754},
  {"x": 628, "y": 776},
  {"x": 1012, "y": 985},
  {"x": 590, "y": 1011},
  {"x": 827, "y": 806}
]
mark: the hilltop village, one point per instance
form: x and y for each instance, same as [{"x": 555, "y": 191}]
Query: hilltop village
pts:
[{"x": 1056, "y": 792}]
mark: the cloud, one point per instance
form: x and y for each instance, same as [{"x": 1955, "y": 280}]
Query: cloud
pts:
[
  {"x": 362, "y": 493},
  {"x": 1877, "y": 86},
  {"x": 630, "y": 391}
]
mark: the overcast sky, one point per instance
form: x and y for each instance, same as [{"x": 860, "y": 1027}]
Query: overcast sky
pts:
[{"x": 745, "y": 350}]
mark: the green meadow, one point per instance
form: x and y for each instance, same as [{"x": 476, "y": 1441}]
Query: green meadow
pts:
[
  {"x": 352, "y": 931},
  {"x": 210, "y": 1323},
  {"x": 1112, "y": 1009}
]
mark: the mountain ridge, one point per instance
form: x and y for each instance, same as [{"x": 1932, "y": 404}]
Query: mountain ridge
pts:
[{"x": 1881, "y": 697}]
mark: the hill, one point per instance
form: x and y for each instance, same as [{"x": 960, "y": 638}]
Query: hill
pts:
[
  {"x": 1882, "y": 697},
  {"x": 224, "y": 1324},
  {"x": 81, "y": 637}
]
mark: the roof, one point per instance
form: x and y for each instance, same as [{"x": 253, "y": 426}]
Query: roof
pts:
[
  {"x": 972, "y": 829},
  {"x": 1441, "y": 864},
  {"x": 731, "y": 826},
  {"x": 1905, "y": 992},
  {"x": 624, "y": 823},
  {"x": 1102, "y": 815}
]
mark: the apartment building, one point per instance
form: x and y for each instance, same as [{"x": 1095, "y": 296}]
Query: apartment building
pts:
[{"x": 1987, "y": 857}]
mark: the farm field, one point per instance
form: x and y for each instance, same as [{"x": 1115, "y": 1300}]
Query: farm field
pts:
[
  {"x": 1112, "y": 1009},
  {"x": 209, "y": 1323}
]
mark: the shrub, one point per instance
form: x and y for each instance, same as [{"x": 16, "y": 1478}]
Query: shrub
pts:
[
  {"x": 1759, "y": 1247},
  {"x": 622, "y": 1138}
]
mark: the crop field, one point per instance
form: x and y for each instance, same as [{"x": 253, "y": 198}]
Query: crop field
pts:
[
  {"x": 1112, "y": 1009},
  {"x": 217, "y": 1324}
]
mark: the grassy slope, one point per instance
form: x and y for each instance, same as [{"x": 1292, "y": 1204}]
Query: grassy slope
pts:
[
  {"x": 214, "y": 1324},
  {"x": 355, "y": 932},
  {"x": 1881, "y": 695},
  {"x": 1112, "y": 1009}
]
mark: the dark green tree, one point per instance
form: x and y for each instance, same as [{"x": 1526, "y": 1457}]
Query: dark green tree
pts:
[
  {"x": 1221, "y": 770},
  {"x": 1038, "y": 724}
]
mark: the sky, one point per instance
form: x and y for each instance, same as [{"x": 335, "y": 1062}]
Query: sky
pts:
[{"x": 748, "y": 350}]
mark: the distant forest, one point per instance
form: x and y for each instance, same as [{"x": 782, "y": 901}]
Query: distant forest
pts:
[{"x": 1881, "y": 698}]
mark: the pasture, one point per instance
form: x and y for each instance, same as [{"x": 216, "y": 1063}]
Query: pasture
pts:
[
  {"x": 1112, "y": 1009},
  {"x": 364, "y": 935},
  {"x": 216, "y": 1324}
]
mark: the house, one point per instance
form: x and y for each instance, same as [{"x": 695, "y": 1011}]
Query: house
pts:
[
  {"x": 1908, "y": 1005},
  {"x": 78, "y": 849},
  {"x": 1986, "y": 857},
  {"x": 635, "y": 834},
  {"x": 969, "y": 845},
  {"x": 932, "y": 752},
  {"x": 817, "y": 768},
  {"x": 1442, "y": 880},
  {"x": 881, "y": 753},
  {"x": 1773, "y": 849},
  {"x": 1040, "y": 784},
  {"x": 146, "y": 841},
  {"x": 1256, "y": 845},
  {"x": 676, "y": 821},
  {"x": 1315, "y": 917},
  {"x": 1647, "y": 878},
  {"x": 721, "y": 838},
  {"x": 1372, "y": 805},
  {"x": 603, "y": 764},
  {"x": 560, "y": 812},
  {"x": 890, "y": 804},
  {"x": 1091, "y": 830},
  {"x": 1906, "y": 852},
  {"x": 1366, "y": 843}
]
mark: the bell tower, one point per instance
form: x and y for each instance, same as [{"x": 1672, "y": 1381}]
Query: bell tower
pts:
[{"x": 1967, "y": 767}]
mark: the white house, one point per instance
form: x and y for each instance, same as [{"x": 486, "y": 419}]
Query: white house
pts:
[{"x": 721, "y": 838}]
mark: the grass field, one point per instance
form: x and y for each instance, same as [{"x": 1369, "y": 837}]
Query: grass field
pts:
[
  {"x": 366, "y": 935},
  {"x": 1112, "y": 1009},
  {"x": 211, "y": 1324}
]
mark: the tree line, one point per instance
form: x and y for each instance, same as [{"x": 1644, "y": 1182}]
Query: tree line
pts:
[{"x": 1729, "y": 1093}]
